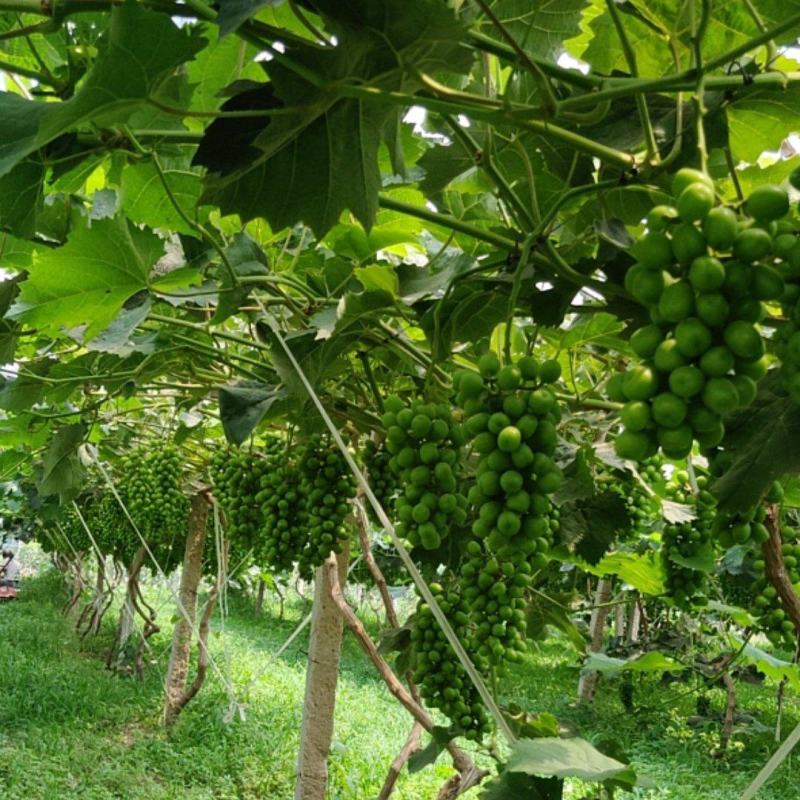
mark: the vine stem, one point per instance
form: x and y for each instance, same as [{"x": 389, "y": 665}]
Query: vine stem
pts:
[
  {"x": 535, "y": 70},
  {"x": 515, "y": 289},
  {"x": 446, "y": 221},
  {"x": 641, "y": 101},
  {"x": 484, "y": 159},
  {"x": 568, "y": 76},
  {"x": 699, "y": 97}
]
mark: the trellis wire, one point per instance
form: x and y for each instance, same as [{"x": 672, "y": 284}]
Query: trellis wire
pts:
[{"x": 778, "y": 757}]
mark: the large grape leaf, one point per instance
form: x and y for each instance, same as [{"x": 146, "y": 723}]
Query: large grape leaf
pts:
[
  {"x": 220, "y": 64},
  {"x": 243, "y": 405},
  {"x": 21, "y": 194},
  {"x": 760, "y": 120},
  {"x": 764, "y": 440},
  {"x": 566, "y": 758},
  {"x": 61, "y": 469},
  {"x": 87, "y": 281},
  {"x": 651, "y": 24},
  {"x": 232, "y": 13},
  {"x": 145, "y": 202},
  {"x": 540, "y": 28},
  {"x": 312, "y": 164},
  {"x": 593, "y": 524},
  {"x": 143, "y": 48}
]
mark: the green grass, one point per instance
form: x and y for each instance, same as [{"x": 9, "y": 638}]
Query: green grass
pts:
[{"x": 70, "y": 729}]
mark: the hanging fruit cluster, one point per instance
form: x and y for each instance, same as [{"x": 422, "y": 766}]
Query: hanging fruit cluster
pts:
[
  {"x": 283, "y": 536},
  {"x": 642, "y": 506},
  {"x": 425, "y": 442},
  {"x": 510, "y": 418},
  {"x": 704, "y": 273},
  {"x": 382, "y": 479},
  {"x": 750, "y": 588},
  {"x": 150, "y": 487},
  {"x": 685, "y": 542},
  {"x": 443, "y": 682},
  {"x": 237, "y": 477},
  {"x": 326, "y": 486},
  {"x": 769, "y": 610}
]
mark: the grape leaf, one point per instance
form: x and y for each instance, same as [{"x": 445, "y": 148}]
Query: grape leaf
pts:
[
  {"x": 644, "y": 572},
  {"x": 142, "y": 49},
  {"x": 540, "y": 28},
  {"x": 145, "y": 201},
  {"x": 761, "y": 120},
  {"x": 87, "y": 281},
  {"x": 321, "y": 156},
  {"x": 701, "y": 561},
  {"x": 62, "y": 472},
  {"x": 245, "y": 258},
  {"x": 116, "y": 338},
  {"x": 566, "y": 758},
  {"x": 21, "y": 197},
  {"x": 653, "y": 661},
  {"x": 594, "y": 523},
  {"x": 600, "y": 329},
  {"x": 419, "y": 282},
  {"x": 232, "y": 13},
  {"x": 242, "y": 406},
  {"x": 764, "y": 440},
  {"x": 514, "y": 785}
]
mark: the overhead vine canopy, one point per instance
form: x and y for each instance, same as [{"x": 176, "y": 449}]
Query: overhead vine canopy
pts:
[{"x": 176, "y": 179}]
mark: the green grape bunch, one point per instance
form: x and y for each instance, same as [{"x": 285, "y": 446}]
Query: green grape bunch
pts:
[
  {"x": 443, "y": 682},
  {"x": 511, "y": 415},
  {"x": 770, "y": 613},
  {"x": 688, "y": 540},
  {"x": 327, "y": 488},
  {"x": 237, "y": 477},
  {"x": 382, "y": 478},
  {"x": 752, "y": 589},
  {"x": 150, "y": 486},
  {"x": 425, "y": 442},
  {"x": 283, "y": 534},
  {"x": 704, "y": 272},
  {"x": 642, "y": 505},
  {"x": 493, "y": 588}
]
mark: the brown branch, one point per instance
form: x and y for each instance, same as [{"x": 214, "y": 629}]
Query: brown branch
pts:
[
  {"x": 202, "y": 649},
  {"x": 409, "y": 748},
  {"x": 730, "y": 712},
  {"x": 469, "y": 775},
  {"x": 775, "y": 568},
  {"x": 362, "y": 524}
]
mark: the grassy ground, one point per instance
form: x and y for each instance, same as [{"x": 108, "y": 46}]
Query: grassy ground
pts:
[{"x": 69, "y": 729}]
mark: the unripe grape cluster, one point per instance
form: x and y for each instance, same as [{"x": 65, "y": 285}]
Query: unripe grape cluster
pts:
[
  {"x": 284, "y": 534},
  {"x": 510, "y": 420},
  {"x": 493, "y": 589},
  {"x": 425, "y": 441},
  {"x": 326, "y": 487},
  {"x": 382, "y": 479},
  {"x": 443, "y": 682},
  {"x": 688, "y": 539},
  {"x": 704, "y": 273},
  {"x": 150, "y": 487},
  {"x": 742, "y": 528},
  {"x": 769, "y": 610},
  {"x": 237, "y": 477},
  {"x": 642, "y": 507}
]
